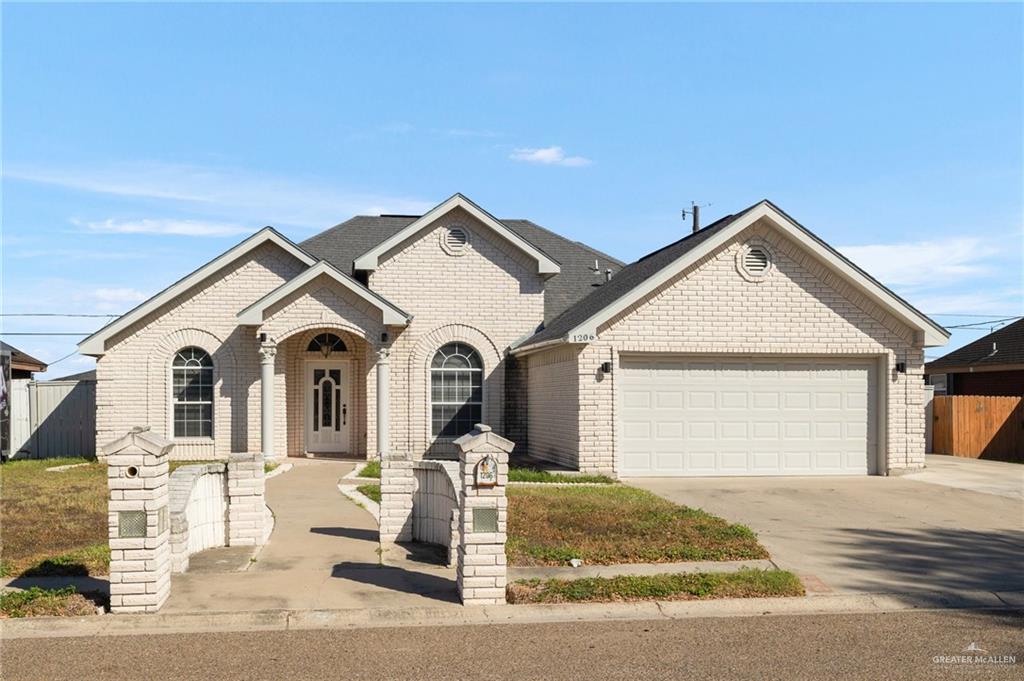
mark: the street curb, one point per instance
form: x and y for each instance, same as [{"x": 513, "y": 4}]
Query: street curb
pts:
[
  {"x": 453, "y": 614},
  {"x": 360, "y": 499},
  {"x": 637, "y": 569}
]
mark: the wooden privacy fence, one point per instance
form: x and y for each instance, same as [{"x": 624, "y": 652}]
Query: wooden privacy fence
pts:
[{"x": 979, "y": 427}]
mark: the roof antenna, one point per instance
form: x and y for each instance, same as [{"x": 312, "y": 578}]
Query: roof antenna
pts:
[{"x": 695, "y": 212}]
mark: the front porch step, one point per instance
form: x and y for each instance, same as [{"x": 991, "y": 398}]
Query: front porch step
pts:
[{"x": 334, "y": 457}]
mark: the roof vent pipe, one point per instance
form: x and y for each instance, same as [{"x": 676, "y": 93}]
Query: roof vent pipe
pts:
[
  {"x": 696, "y": 218},
  {"x": 607, "y": 276}
]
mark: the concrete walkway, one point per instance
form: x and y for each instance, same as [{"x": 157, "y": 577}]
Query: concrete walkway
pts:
[
  {"x": 322, "y": 555},
  {"x": 976, "y": 475}
]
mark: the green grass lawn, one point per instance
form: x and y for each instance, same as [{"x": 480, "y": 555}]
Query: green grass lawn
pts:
[
  {"x": 741, "y": 584},
  {"x": 370, "y": 491},
  {"x": 370, "y": 470},
  {"x": 54, "y": 523},
  {"x": 616, "y": 524},
  {"x": 525, "y": 474}
]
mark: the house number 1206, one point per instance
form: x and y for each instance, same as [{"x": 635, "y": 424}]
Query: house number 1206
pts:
[{"x": 584, "y": 338}]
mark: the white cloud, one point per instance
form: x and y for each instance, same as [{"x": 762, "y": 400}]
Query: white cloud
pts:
[
  {"x": 924, "y": 263},
  {"x": 549, "y": 156},
  {"x": 238, "y": 195},
  {"x": 119, "y": 295},
  {"x": 181, "y": 227}
]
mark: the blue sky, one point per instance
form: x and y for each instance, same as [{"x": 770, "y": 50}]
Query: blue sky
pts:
[{"x": 139, "y": 141}]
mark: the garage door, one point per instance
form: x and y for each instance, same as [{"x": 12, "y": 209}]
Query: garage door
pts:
[{"x": 746, "y": 416}]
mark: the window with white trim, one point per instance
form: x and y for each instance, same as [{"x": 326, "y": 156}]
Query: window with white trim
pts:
[
  {"x": 192, "y": 393},
  {"x": 456, "y": 390}
]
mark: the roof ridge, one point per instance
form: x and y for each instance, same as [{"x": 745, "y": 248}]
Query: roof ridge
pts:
[{"x": 565, "y": 238}]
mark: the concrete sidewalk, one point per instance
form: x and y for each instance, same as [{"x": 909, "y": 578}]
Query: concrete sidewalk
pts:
[
  {"x": 323, "y": 554},
  {"x": 451, "y": 614}
]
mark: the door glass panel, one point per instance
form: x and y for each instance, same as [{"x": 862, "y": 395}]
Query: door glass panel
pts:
[
  {"x": 318, "y": 375},
  {"x": 327, "y": 404},
  {"x": 316, "y": 409},
  {"x": 336, "y": 376}
]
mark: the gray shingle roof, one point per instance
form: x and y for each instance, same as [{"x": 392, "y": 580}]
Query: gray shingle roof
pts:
[
  {"x": 342, "y": 244},
  {"x": 1009, "y": 342},
  {"x": 627, "y": 279}
]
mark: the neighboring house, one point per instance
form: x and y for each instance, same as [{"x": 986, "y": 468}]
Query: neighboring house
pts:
[
  {"x": 748, "y": 348},
  {"x": 991, "y": 365},
  {"x": 16, "y": 369}
]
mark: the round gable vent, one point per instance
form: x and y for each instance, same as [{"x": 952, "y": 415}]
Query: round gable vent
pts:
[
  {"x": 454, "y": 240},
  {"x": 756, "y": 260}
]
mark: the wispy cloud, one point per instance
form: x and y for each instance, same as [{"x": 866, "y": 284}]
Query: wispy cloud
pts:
[
  {"x": 239, "y": 195},
  {"x": 118, "y": 295},
  {"x": 178, "y": 227},
  {"x": 549, "y": 156},
  {"x": 924, "y": 263},
  {"x": 73, "y": 254}
]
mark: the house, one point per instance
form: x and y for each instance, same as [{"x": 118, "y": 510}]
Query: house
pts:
[
  {"x": 991, "y": 365},
  {"x": 16, "y": 370},
  {"x": 749, "y": 347}
]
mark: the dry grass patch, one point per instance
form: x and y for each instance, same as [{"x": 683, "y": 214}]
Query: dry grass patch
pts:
[
  {"x": 617, "y": 524},
  {"x": 668, "y": 587},
  {"x": 54, "y": 523}
]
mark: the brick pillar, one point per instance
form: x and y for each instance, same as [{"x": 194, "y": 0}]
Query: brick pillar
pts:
[
  {"x": 397, "y": 481},
  {"x": 246, "y": 505},
  {"x": 483, "y": 516},
  {"x": 139, "y": 528}
]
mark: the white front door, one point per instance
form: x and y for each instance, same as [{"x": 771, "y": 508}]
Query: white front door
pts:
[{"x": 327, "y": 407}]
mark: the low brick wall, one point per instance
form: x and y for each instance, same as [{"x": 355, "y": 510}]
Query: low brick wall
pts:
[
  {"x": 435, "y": 505},
  {"x": 198, "y": 511},
  {"x": 217, "y": 504}
]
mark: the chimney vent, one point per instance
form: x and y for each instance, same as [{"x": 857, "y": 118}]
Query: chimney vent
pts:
[
  {"x": 607, "y": 276},
  {"x": 696, "y": 218}
]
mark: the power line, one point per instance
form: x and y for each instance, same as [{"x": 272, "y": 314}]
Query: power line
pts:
[
  {"x": 958, "y": 314},
  {"x": 48, "y": 333},
  {"x": 55, "y": 314}
]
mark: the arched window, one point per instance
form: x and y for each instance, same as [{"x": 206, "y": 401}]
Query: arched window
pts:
[
  {"x": 456, "y": 390},
  {"x": 192, "y": 393},
  {"x": 325, "y": 344}
]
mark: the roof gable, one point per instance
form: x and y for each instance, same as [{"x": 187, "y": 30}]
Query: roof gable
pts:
[
  {"x": 392, "y": 315},
  {"x": 369, "y": 260},
  {"x": 96, "y": 343},
  {"x": 342, "y": 244},
  {"x": 1002, "y": 347},
  {"x": 579, "y": 323}
]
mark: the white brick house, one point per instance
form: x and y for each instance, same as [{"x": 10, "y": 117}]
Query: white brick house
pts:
[{"x": 747, "y": 348}]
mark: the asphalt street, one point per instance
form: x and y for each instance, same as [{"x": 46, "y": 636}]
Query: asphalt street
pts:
[{"x": 903, "y": 645}]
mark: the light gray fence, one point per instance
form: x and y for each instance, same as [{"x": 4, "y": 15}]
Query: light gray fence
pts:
[{"x": 53, "y": 419}]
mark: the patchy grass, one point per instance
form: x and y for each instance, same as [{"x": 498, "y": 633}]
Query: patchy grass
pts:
[
  {"x": 670, "y": 587},
  {"x": 53, "y": 522},
  {"x": 525, "y": 474},
  {"x": 36, "y": 602},
  {"x": 370, "y": 470},
  {"x": 617, "y": 524},
  {"x": 269, "y": 466},
  {"x": 370, "y": 491}
]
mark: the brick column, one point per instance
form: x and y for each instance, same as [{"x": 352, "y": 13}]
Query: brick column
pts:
[
  {"x": 483, "y": 517},
  {"x": 397, "y": 481},
  {"x": 246, "y": 506},
  {"x": 139, "y": 528}
]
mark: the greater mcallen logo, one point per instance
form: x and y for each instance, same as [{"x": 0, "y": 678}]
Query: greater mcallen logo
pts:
[{"x": 974, "y": 654}]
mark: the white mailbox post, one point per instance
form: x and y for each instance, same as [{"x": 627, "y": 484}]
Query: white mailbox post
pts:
[
  {"x": 139, "y": 528},
  {"x": 483, "y": 516}
]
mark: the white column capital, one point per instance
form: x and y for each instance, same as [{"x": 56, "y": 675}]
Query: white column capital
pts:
[
  {"x": 384, "y": 355},
  {"x": 267, "y": 352}
]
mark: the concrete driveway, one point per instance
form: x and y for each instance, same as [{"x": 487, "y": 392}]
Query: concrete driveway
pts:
[{"x": 876, "y": 534}]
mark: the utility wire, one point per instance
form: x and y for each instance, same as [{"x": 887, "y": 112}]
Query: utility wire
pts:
[
  {"x": 47, "y": 333},
  {"x": 53, "y": 314}
]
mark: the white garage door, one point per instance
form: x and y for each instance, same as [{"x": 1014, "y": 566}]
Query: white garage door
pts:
[{"x": 746, "y": 416}]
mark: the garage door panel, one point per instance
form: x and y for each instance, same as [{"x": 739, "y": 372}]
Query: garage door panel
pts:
[{"x": 748, "y": 416}]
